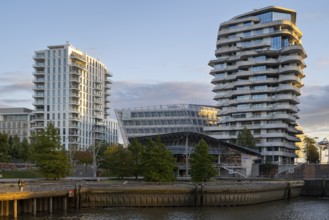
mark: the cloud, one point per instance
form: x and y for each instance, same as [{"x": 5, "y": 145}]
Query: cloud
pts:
[
  {"x": 322, "y": 63},
  {"x": 137, "y": 94},
  {"x": 314, "y": 114}
]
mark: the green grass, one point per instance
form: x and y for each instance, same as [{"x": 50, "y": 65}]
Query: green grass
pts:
[{"x": 20, "y": 174}]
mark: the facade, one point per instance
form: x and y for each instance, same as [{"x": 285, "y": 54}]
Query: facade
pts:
[
  {"x": 153, "y": 120},
  {"x": 15, "y": 121},
  {"x": 72, "y": 91},
  {"x": 257, "y": 80}
]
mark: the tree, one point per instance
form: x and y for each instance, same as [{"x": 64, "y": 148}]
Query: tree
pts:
[
  {"x": 158, "y": 163},
  {"x": 4, "y": 148},
  {"x": 136, "y": 149},
  {"x": 310, "y": 150},
  {"x": 48, "y": 153},
  {"x": 246, "y": 139},
  {"x": 202, "y": 168},
  {"x": 14, "y": 148},
  {"x": 118, "y": 161}
]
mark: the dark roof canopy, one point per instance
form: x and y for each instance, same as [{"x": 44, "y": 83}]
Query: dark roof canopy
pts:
[{"x": 193, "y": 138}]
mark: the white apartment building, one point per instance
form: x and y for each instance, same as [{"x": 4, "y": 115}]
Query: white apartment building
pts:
[
  {"x": 257, "y": 79},
  {"x": 72, "y": 91}
]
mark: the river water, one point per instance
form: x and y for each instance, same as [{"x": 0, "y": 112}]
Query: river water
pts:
[{"x": 293, "y": 209}]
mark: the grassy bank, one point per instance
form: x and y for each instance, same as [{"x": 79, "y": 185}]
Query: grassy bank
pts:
[{"x": 20, "y": 174}]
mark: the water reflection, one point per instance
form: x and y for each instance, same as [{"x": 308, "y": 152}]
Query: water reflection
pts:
[{"x": 294, "y": 209}]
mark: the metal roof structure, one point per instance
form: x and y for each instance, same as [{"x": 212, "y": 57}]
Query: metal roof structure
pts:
[{"x": 177, "y": 141}]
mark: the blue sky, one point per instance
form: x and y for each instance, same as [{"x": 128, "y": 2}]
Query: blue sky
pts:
[{"x": 158, "y": 51}]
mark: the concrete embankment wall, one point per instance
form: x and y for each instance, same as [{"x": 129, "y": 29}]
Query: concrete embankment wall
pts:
[
  {"x": 187, "y": 195},
  {"x": 316, "y": 187}
]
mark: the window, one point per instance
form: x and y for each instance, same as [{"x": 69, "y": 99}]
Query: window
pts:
[
  {"x": 259, "y": 96},
  {"x": 247, "y": 34},
  {"x": 260, "y": 87},
  {"x": 273, "y": 16},
  {"x": 258, "y": 31},
  {"x": 243, "y": 106},
  {"x": 258, "y": 78},
  {"x": 258, "y": 68},
  {"x": 260, "y": 58},
  {"x": 239, "y": 115},
  {"x": 220, "y": 66},
  {"x": 233, "y": 26},
  {"x": 242, "y": 97},
  {"x": 220, "y": 76}
]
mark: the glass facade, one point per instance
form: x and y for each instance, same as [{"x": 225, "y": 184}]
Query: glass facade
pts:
[{"x": 273, "y": 16}]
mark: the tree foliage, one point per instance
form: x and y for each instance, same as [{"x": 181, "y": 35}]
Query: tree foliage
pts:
[
  {"x": 202, "y": 168},
  {"x": 49, "y": 154},
  {"x": 246, "y": 139},
  {"x": 4, "y": 148},
  {"x": 158, "y": 163},
  {"x": 310, "y": 150},
  {"x": 137, "y": 151},
  {"x": 118, "y": 161}
]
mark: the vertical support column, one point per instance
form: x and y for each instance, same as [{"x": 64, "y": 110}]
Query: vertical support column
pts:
[
  {"x": 35, "y": 206},
  {"x": 65, "y": 203},
  {"x": 2, "y": 208},
  {"x": 15, "y": 208},
  {"x": 6, "y": 208},
  {"x": 50, "y": 204}
]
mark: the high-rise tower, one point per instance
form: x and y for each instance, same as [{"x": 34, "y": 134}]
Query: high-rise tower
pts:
[
  {"x": 257, "y": 76},
  {"x": 72, "y": 90}
]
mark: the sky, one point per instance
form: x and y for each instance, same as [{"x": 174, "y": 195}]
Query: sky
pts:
[{"x": 157, "y": 51}]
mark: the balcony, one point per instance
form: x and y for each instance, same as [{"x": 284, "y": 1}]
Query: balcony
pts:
[
  {"x": 35, "y": 119},
  {"x": 36, "y": 103},
  {"x": 73, "y": 109},
  {"x": 73, "y": 124},
  {"x": 74, "y": 94},
  {"x": 78, "y": 57},
  {"x": 39, "y": 65},
  {"x": 39, "y": 80},
  {"x": 38, "y": 73},
  {"x": 74, "y": 79},
  {"x": 74, "y": 73},
  {"x": 74, "y": 101},
  {"x": 108, "y": 81},
  {"x": 38, "y": 125},
  {"x": 108, "y": 73},
  {"x": 38, "y": 87},
  {"x": 38, "y": 95},
  {"x": 39, "y": 57},
  {"x": 78, "y": 66},
  {"x": 74, "y": 86}
]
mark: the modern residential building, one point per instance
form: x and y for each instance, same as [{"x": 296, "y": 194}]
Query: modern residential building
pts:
[
  {"x": 257, "y": 76},
  {"x": 15, "y": 121},
  {"x": 72, "y": 90},
  {"x": 152, "y": 120}
]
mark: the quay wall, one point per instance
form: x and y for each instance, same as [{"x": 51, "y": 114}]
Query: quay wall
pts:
[{"x": 187, "y": 195}]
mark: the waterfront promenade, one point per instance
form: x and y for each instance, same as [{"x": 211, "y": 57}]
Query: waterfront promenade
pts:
[{"x": 44, "y": 195}]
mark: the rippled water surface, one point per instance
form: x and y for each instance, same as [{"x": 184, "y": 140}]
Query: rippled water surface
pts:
[{"x": 294, "y": 209}]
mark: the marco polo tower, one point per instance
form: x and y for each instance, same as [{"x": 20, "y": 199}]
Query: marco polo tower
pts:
[{"x": 257, "y": 79}]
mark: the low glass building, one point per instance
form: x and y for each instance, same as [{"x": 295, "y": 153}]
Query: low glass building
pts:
[{"x": 163, "y": 119}]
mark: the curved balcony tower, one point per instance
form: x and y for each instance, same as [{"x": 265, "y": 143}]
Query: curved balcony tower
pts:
[{"x": 257, "y": 80}]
